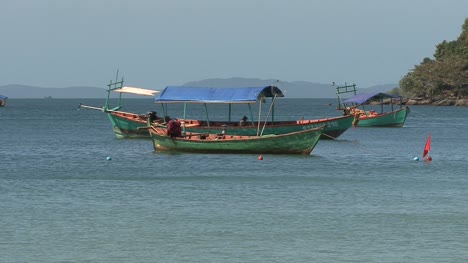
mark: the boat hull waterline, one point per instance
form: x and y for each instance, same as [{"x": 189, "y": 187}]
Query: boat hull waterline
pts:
[{"x": 302, "y": 142}]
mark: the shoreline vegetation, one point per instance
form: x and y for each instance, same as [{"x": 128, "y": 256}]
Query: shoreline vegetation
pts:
[
  {"x": 441, "y": 80},
  {"x": 437, "y": 101},
  {"x": 421, "y": 101}
]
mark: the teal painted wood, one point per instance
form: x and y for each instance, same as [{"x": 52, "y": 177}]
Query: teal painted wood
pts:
[
  {"x": 334, "y": 127},
  {"x": 395, "y": 118},
  {"x": 126, "y": 125},
  {"x": 302, "y": 142}
]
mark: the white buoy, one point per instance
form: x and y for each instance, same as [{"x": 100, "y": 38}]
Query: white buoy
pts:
[
  {"x": 108, "y": 158},
  {"x": 416, "y": 158}
]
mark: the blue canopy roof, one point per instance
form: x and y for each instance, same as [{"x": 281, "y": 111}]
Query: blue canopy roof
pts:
[
  {"x": 173, "y": 94},
  {"x": 3, "y": 97},
  {"x": 365, "y": 97}
]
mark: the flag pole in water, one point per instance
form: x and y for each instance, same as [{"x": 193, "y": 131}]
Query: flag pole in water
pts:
[{"x": 427, "y": 148}]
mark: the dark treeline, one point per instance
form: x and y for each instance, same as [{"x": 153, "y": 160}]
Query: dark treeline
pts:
[{"x": 445, "y": 76}]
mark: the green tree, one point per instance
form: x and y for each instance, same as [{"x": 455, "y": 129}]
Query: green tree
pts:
[
  {"x": 453, "y": 72},
  {"x": 446, "y": 74}
]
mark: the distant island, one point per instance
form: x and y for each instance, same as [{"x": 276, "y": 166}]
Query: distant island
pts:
[{"x": 293, "y": 89}]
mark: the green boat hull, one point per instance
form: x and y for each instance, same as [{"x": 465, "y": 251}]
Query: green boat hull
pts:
[
  {"x": 334, "y": 127},
  {"x": 302, "y": 142},
  {"x": 129, "y": 125},
  {"x": 128, "y": 128},
  {"x": 391, "y": 119}
]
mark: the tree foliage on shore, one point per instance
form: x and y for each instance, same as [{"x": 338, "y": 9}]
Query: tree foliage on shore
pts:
[{"x": 444, "y": 76}]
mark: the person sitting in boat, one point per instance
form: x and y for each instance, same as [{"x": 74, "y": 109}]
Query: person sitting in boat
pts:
[
  {"x": 346, "y": 111},
  {"x": 356, "y": 119},
  {"x": 353, "y": 110},
  {"x": 152, "y": 116},
  {"x": 173, "y": 129},
  {"x": 243, "y": 121}
]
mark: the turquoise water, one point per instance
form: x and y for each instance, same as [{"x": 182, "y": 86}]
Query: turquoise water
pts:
[{"x": 360, "y": 198}]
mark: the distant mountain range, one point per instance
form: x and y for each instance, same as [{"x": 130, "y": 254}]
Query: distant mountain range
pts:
[{"x": 293, "y": 89}]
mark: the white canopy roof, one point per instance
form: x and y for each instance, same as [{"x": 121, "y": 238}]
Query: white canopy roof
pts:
[{"x": 138, "y": 91}]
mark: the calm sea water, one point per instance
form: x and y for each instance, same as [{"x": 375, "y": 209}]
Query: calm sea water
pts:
[{"x": 361, "y": 198}]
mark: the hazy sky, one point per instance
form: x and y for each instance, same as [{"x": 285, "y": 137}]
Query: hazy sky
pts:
[{"x": 155, "y": 43}]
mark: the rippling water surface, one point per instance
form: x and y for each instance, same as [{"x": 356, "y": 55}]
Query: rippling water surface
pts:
[{"x": 360, "y": 198}]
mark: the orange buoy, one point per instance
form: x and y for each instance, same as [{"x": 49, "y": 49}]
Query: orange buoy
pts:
[{"x": 260, "y": 157}]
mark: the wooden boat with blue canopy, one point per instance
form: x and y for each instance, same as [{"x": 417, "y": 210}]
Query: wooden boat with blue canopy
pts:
[
  {"x": 190, "y": 96},
  {"x": 126, "y": 124},
  {"x": 3, "y": 100},
  {"x": 171, "y": 138},
  {"x": 365, "y": 108}
]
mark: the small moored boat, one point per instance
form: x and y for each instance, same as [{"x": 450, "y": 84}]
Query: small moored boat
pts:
[
  {"x": 126, "y": 124},
  {"x": 173, "y": 139},
  {"x": 3, "y": 100},
  {"x": 360, "y": 106}
]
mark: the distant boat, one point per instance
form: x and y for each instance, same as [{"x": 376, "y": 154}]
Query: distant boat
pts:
[
  {"x": 48, "y": 97},
  {"x": 3, "y": 100},
  {"x": 356, "y": 106},
  {"x": 301, "y": 142},
  {"x": 126, "y": 124}
]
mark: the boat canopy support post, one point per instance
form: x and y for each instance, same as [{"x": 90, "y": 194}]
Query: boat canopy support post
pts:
[
  {"x": 268, "y": 114},
  {"x": 381, "y": 105},
  {"x": 364, "y": 109},
  {"x": 251, "y": 114},
  {"x": 185, "y": 110},
  {"x": 206, "y": 113},
  {"x": 259, "y": 116},
  {"x": 164, "y": 109},
  {"x": 273, "y": 109}
]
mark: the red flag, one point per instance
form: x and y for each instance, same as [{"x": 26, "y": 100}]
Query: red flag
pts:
[{"x": 428, "y": 146}]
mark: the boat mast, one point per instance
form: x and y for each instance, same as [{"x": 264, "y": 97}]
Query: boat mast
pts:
[
  {"x": 342, "y": 90},
  {"x": 111, "y": 87}
]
